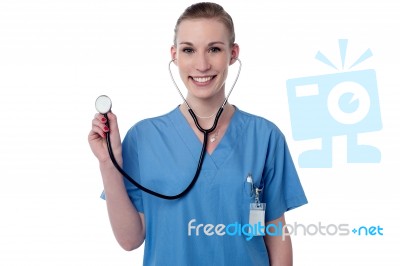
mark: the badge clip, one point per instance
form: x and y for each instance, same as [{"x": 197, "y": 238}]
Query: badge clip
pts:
[{"x": 257, "y": 211}]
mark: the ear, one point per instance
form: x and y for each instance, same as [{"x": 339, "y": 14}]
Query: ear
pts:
[
  {"x": 173, "y": 53},
  {"x": 234, "y": 53}
]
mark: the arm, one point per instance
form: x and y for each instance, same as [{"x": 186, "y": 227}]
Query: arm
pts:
[
  {"x": 279, "y": 250},
  {"x": 127, "y": 224}
]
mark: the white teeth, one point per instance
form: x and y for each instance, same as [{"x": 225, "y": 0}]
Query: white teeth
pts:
[{"x": 203, "y": 79}]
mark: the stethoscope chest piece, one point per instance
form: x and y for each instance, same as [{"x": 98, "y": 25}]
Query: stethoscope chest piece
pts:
[{"x": 103, "y": 104}]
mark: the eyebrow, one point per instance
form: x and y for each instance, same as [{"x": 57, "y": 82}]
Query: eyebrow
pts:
[{"x": 210, "y": 44}]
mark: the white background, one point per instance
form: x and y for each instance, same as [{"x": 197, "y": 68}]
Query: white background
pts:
[{"x": 56, "y": 57}]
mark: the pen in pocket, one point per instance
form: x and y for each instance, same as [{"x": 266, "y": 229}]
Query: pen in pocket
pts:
[{"x": 249, "y": 185}]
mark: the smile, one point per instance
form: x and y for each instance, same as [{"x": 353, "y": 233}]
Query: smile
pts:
[{"x": 203, "y": 79}]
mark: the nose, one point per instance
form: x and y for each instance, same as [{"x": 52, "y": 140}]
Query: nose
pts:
[{"x": 202, "y": 62}]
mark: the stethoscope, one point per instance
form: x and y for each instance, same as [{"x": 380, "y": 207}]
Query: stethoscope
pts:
[{"x": 103, "y": 106}]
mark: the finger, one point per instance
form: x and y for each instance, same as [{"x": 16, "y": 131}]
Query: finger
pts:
[
  {"x": 96, "y": 134},
  {"x": 99, "y": 127},
  {"x": 93, "y": 135},
  {"x": 100, "y": 117}
]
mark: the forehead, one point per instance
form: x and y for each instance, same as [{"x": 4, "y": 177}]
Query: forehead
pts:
[{"x": 202, "y": 30}]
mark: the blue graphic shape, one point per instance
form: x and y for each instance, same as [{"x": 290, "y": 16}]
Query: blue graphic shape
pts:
[
  {"x": 343, "y": 50},
  {"x": 348, "y": 103},
  {"x": 321, "y": 57},
  {"x": 367, "y": 54},
  {"x": 325, "y": 106}
]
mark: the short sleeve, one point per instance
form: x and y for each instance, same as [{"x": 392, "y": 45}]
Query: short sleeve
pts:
[
  {"x": 282, "y": 188},
  {"x": 131, "y": 167}
]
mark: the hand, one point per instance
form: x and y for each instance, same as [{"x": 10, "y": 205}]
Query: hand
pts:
[{"x": 97, "y": 137}]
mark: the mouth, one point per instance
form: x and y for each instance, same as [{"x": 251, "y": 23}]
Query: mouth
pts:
[{"x": 202, "y": 80}]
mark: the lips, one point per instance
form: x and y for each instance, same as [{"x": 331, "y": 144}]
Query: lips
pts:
[{"x": 202, "y": 80}]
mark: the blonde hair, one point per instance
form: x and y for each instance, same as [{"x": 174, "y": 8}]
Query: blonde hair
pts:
[{"x": 207, "y": 10}]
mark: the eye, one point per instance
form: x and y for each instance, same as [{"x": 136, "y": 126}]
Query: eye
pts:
[
  {"x": 188, "y": 50},
  {"x": 214, "y": 50}
]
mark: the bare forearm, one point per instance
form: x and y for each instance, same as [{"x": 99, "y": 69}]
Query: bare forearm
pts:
[
  {"x": 280, "y": 254},
  {"x": 279, "y": 249},
  {"x": 126, "y": 222}
]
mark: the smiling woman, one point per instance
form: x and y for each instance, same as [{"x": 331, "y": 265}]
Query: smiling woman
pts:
[
  {"x": 246, "y": 166},
  {"x": 203, "y": 53}
]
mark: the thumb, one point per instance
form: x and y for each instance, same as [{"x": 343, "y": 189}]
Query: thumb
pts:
[{"x": 112, "y": 121}]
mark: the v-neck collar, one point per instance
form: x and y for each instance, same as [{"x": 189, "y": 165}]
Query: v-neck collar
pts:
[{"x": 226, "y": 145}]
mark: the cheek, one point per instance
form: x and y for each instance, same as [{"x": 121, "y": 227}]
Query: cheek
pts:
[
  {"x": 183, "y": 71},
  {"x": 223, "y": 67},
  {"x": 222, "y": 62},
  {"x": 225, "y": 75},
  {"x": 183, "y": 64}
]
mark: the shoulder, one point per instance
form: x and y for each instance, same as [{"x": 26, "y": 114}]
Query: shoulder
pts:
[
  {"x": 154, "y": 123},
  {"x": 262, "y": 134},
  {"x": 258, "y": 124}
]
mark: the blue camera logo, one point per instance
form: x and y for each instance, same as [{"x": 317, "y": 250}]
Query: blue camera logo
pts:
[{"x": 344, "y": 103}]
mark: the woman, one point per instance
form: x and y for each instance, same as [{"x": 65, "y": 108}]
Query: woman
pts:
[{"x": 247, "y": 160}]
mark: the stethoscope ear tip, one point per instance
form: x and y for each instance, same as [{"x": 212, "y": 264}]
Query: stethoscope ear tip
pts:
[{"x": 103, "y": 104}]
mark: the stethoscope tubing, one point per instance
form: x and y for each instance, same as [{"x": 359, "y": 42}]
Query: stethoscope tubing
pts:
[
  {"x": 199, "y": 165},
  {"x": 203, "y": 149}
]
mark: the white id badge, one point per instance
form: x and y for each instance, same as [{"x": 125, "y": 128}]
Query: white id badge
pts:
[{"x": 257, "y": 219}]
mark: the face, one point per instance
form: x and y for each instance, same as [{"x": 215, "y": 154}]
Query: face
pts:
[{"x": 203, "y": 54}]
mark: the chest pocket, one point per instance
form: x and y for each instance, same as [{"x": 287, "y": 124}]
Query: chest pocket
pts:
[{"x": 252, "y": 193}]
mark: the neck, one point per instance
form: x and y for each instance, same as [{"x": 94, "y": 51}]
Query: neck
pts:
[
  {"x": 208, "y": 121},
  {"x": 205, "y": 108}
]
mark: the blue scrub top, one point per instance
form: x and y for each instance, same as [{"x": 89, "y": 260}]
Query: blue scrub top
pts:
[{"x": 162, "y": 154}]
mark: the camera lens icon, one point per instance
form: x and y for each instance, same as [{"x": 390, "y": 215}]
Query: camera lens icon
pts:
[
  {"x": 339, "y": 104},
  {"x": 348, "y": 103}
]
